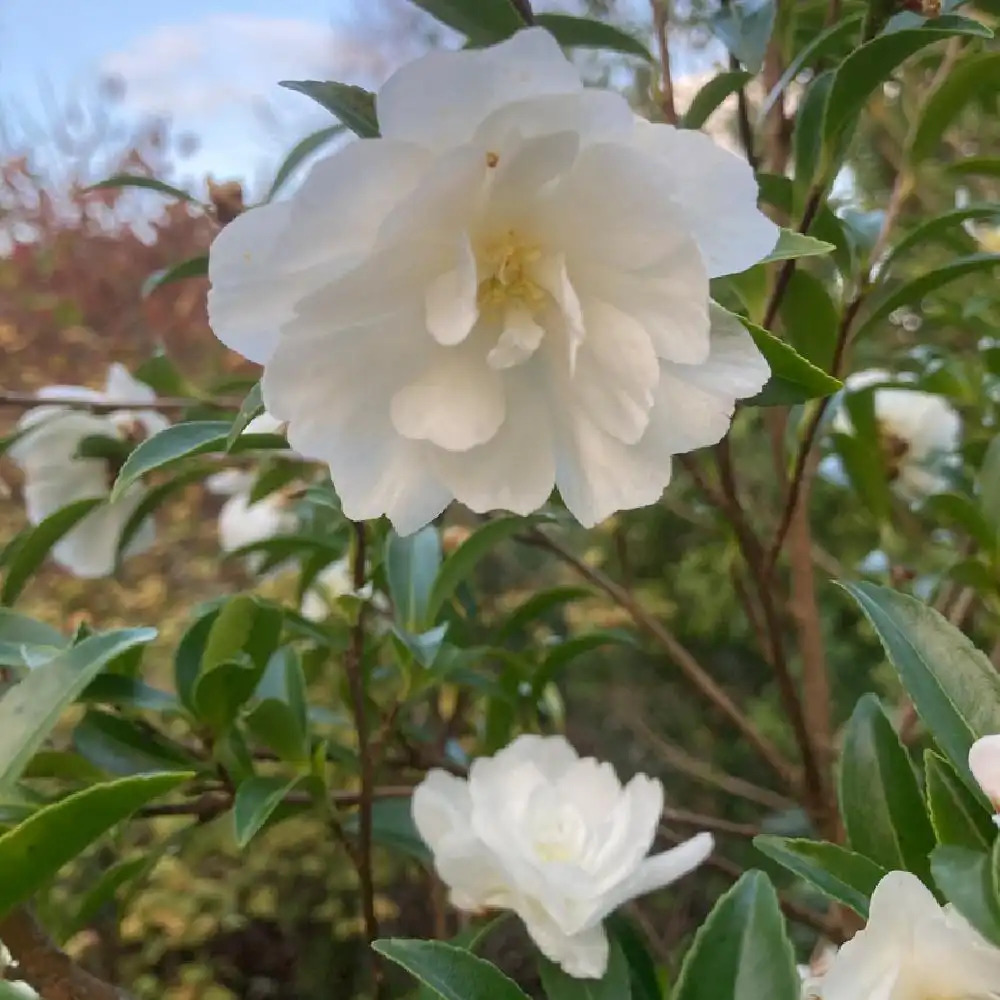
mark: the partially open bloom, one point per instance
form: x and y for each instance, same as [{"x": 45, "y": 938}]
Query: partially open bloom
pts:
[
  {"x": 56, "y": 475},
  {"x": 912, "y": 949},
  {"x": 504, "y": 293},
  {"x": 918, "y": 431},
  {"x": 553, "y": 837},
  {"x": 984, "y": 763}
]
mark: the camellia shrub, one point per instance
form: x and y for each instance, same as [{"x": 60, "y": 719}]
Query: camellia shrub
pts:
[{"x": 507, "y": 313}]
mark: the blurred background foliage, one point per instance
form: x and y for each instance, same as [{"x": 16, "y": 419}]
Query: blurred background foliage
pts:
[{"x": 208, "y": 921}]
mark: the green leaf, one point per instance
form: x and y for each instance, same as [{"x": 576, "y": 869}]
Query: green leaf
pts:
[
  {"x": 34, "y": 851},
  {"x": 300, "y": 153},
  {"x": 807, "y": 139},
  {"x": 587, "y": 33},
  {"x": 793, "y": 379},
  {"x": 123, "y": 747},
  {"x": 533, "y": 608},
  {"x": 31, "y": 549},
  {"x": 642, "y": 968},
  {"x": 162, "y": 376},
  {"x": 744, "y": 27},
  {"x": 966, "y": 879},
  {"x": 112, "y": 449},
  {"x": 252, "y": 406},
  {"x": 452, "y": 973},
  {"x": 988, "y": 486},
  {"x": 193, "y": 267},
  {"x": 256, "y": 800},
  {"x": 149, "y": 183},
  {"x": 741, "y": 951},
  {"x": 972, "y": 77},
  {"x": 792, "y": 245},
  {"x": 23, "y": 640},
  {"x": 711, "y": 95},
  {"x": 459, "y": 565},
  {"x": 829, "y": 40},
  {"x": 875, "y": 61},
  {"x": 280, "y": 717},
  {"x": 569, "y": 649},
  {"x": 30, "y": 710},
  {"x": 866, "y": 471},
  {"x": 959, "y": 819},
  {"x": 615, "y": 984},
  {"x": 354, "y": 106},
  {"x": 880, "y": 800},
  {"x": 393, "y": 827},
  {"x": 949, "y": 223},
  {"x": 841, "y": 874},
  {"x": 917, "y": 288},
  {"x": 178, "y": 441},
  {"x": 481, "y": 21},
  {"x": 954, "y": 687},
  {"x": 127, "y": 692},
  {"x": 981, "y": 166},
  {"x": 956, "y": 510},
  {"x": 103, "y": 893},
  {"x": 810, "y": 319},
  {"x": 412, "y": 564}
]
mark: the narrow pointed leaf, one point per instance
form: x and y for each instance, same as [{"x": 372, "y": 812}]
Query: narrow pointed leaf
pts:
[{"x": 354, "y": 106}]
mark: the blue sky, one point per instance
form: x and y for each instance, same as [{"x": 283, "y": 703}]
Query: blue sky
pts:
[{"x": 212, "y": 66}]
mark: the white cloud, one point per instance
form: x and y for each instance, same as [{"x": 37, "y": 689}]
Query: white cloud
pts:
[{"x": 196, "y": 70}]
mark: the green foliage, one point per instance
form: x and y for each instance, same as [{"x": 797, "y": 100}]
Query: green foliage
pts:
[
  {"x": 354, "y": 106},
  {"x": 615, "y": 984}
]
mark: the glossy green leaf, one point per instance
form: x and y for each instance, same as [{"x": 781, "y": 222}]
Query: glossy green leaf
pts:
[
  {"x": 252, "y": 406},
  {"x": 645, "y": 982},
  {"x": 146, "y": 183},
  {"x": 193, "y": 267},
  {"x": 279, "y": 718},
  {"x": 792, "y": 245},
  {"x": 810, "y": 319},
  {"x": 300, "y": 153},
  {"x": 34, "y": 851},
  {"x": 711, "y": 95},
  {"x": 393, "y": 828},
  {"x": 865, "y": 469},
  {"x": 30, "y": 710},
  {"x": 256, "y": 800},
  {"x": 841, "y": 874},
  {"x": 880, "y": 800},
  {"x": 744, "y": 27},
  {"x": 452, "y": 973},
  {"x": 459, "y": 565},
  {"x": 954, "y": 687},
  {"x": 741, "y": 951},
  {"x": 563, "y": 653},
  {"x": 168, "y": 446},
  {"x": 163, "y": 377},
  {"x": 481, "y": 21},
  {"x": 875, "y": 61},
  {"x": 793, "y": 379},
  {"x": 988, "y": 487},
  {"x": 948, "y": 224},
  {"x": 966, "y": 879},
  {"x": 23, "y": 640},
  {"x": 959, "y": 511},
  {"x": 124, "y": 747},
  {"x": 959, "y": 819},
  {"x": 534, "y": 608},
  {"x": 971, "y": 77},
  {"x": 129, "y": 692},
  {"x": 354, "y": 106},
  {"x": 588, "y": 33},
  {"x": 112, "y": 449},
  {"x": 807, "y": 139},
  {"x": 103, "y": 893},
  {"x": 411, "y": 565},
  {"x": 30, "y": 550},
  {"x": 615, "y": 984}
]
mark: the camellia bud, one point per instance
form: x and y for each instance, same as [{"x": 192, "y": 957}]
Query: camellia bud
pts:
[{"x": 984, "y": 762}]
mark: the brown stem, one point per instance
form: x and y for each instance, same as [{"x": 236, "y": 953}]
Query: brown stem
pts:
[
  {"x": 354, "y": 669},
  {"x": 660, "y": 20},
  {"x": 681, "y": 817},
  {"x": 27, "y": 400},
  {"x": 695, "y": 673},
  {"x": 45, "y": 967}
]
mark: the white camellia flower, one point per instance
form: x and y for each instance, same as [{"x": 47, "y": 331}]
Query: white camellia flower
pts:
[
  {"x": 56, "y": 476},
  {"x": 554, "y": 837},
  {"x": 505, "y": 292},
  {"x": 912, "y": 949},
  {"x": 812, "y": 974},
  {"x": 918, "y": 431},
  {"x": 984, "y": 763},
  {"x": 332, "y": 582}
]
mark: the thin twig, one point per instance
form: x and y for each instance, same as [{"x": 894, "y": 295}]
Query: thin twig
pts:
[
  {"x": 743, "y": 119},
  {"x": 523, "y": 7},
  {"x": 679, "y": 654},
  {"x": 45, "y": 967},
  {"x": 660, "y": 19},
  {"x": 28, "y": 400},
  {"x": 354, "y": 669},
  {"x": 702, "y": 822}
]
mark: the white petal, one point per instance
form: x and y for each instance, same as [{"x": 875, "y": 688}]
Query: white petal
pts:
[
  {"x": 582, "y": 956},
  {"x": 515, "y": 470},
  {"x": 441, "y": 806},
  {"x": 229, "y": 481},
  {"x": 451, "y": 298},
  {"x": 550, "y": 273},
  {"x": 984, "y": 762},
  {"x": 442, "y": 97},
  {"x": 520, "y": 339},
  {"x": 715, "y": 191},
  {"x": 661, "y": 870},
  {"x": 242, "y": 523},
  {"x": 121, "y": 387},
  {"x": 456, "y": 403},
  {"x": 249, "y": 300}
]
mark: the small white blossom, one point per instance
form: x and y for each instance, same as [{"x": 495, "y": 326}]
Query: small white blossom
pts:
[
  {"x": 332, "y": 582},
  {"x": 918, "y": 430},
  {"x": 912, "y": 949},
  {"x": 55, "y": 476},
  {"x": 508, "y": 291},
  {"x": 554, "y": 837},
  {"x": 984, "y": 762}
]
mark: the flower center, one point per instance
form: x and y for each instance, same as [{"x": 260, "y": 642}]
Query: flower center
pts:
[
  {"x": 894, "y": 450},
  {"x": 506, "y": 262},
  {"x": 559, "y": 836}
]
